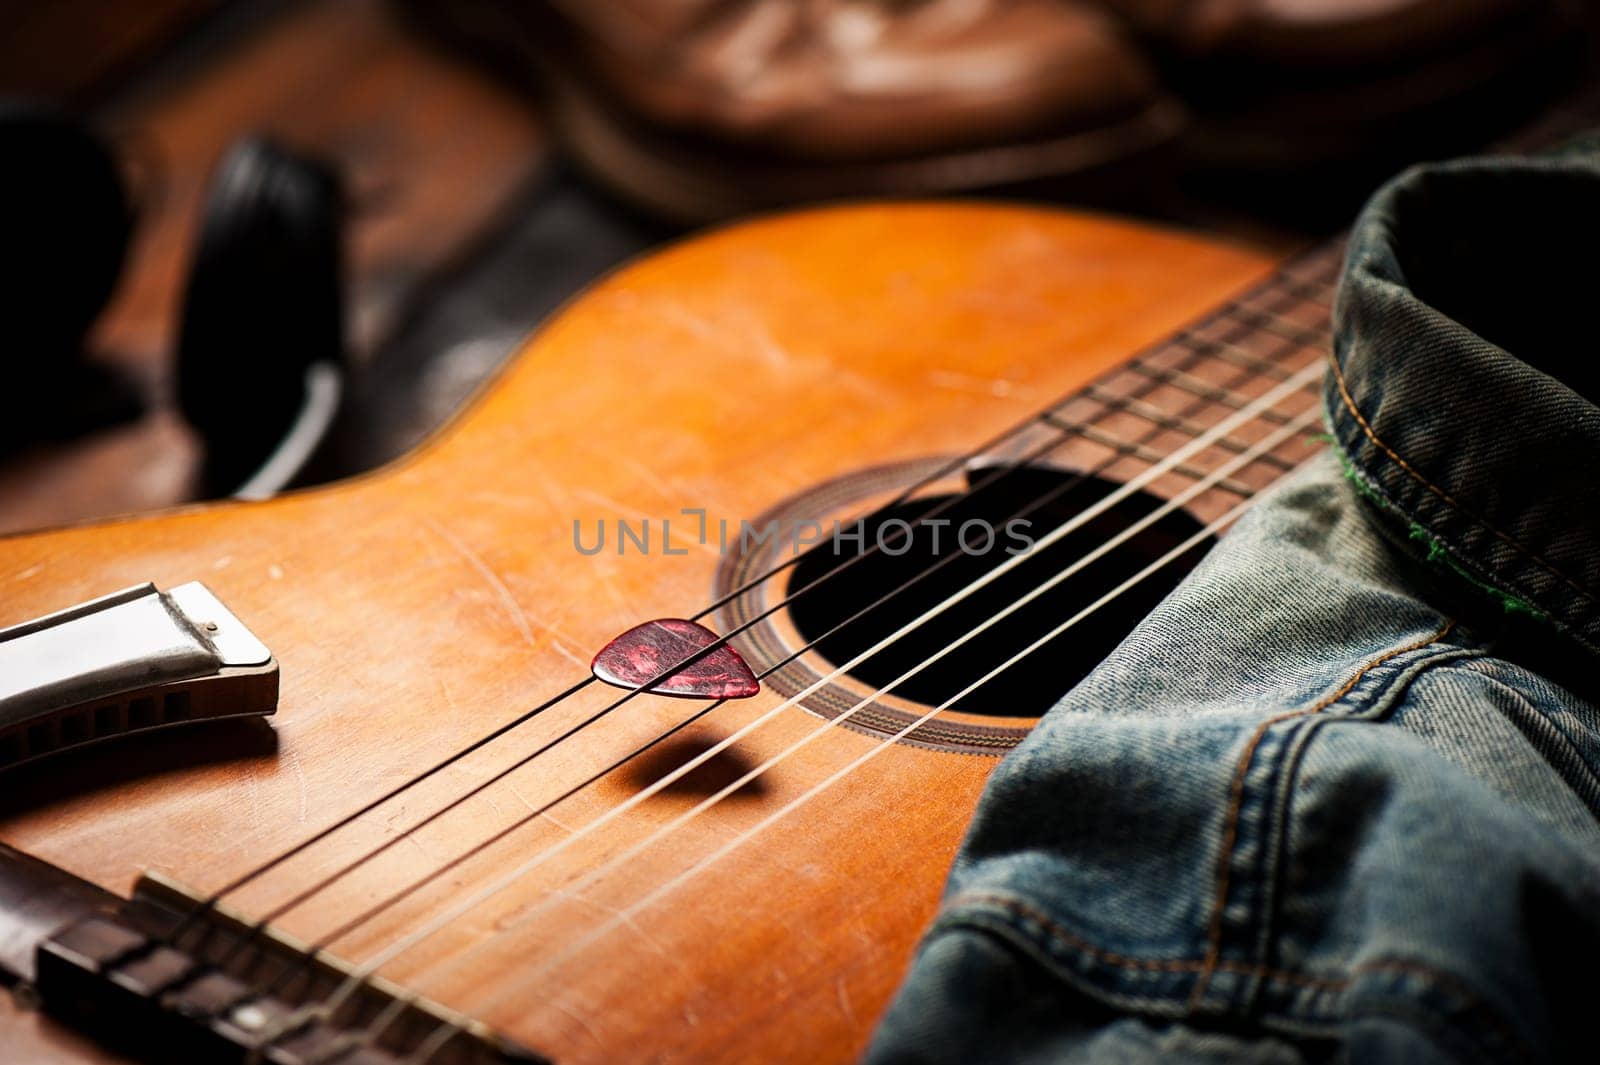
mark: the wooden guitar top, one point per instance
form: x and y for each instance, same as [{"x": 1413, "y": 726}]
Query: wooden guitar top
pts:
[{"x": 414, "y": 609}]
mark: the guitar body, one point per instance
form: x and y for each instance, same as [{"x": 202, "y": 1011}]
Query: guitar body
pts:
[{"x": 417, "y": 608}]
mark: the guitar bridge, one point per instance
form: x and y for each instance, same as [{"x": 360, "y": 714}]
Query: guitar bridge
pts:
[
  {"x": 208, "y": 993},
  {"x": 162, "y": 977},
  {"x": 134, "y": 660}
]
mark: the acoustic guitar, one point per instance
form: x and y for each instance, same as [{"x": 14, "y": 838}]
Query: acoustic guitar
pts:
[{"x": 637, "y": 716}]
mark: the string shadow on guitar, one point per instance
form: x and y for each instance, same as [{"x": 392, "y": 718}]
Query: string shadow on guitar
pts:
[{"x": 717, "y": 773}]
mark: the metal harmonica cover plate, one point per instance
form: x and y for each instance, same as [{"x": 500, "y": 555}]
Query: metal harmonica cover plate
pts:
[{"x": 132, "y": 660}]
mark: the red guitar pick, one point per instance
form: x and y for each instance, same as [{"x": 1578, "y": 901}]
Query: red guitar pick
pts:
[{"x": 637, "y": 658}]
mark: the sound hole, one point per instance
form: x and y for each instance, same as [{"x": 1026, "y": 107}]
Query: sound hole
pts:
[{"x": 1033, "y": 684}]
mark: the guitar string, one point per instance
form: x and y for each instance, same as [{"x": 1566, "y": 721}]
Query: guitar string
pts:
[
  {"x": 1234, "y": 307},
  {"x": 1298, "y": 337},
  {"x": 487, "y": 739},
  {"x": 447, "y": 1031},
  {"x": 590, "y": 876},
  {"x": 1251, "y": 412},
  {"x": 1004, "y": 667},
  {"x": 1196, "y": 351},
  {"x": 1283, "y": 275},
  {"x": 1254, "y": 368},
  {"x": 1058, "y": 438},
  {"x": 300, "y": 847},
  {"x": 328, "y": 938},
  {"x": 432, "y": 972},
  {"x": 330, "y": 1005},
  {"x": 906, "y": 731}
]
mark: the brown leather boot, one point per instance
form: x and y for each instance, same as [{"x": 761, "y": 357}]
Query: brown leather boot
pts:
[
  {"x": 1321, "y": 33},
  {"x": 1307, "y": 82},
  {"x": 705, "y": 108}
]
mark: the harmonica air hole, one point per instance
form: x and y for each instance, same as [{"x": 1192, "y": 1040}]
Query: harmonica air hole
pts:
[
  {"x": 108, "y": 719},
  {"x": 175, "y": 706},
  {"x": 42, "y": 737},
  {"x": 141, "y": 712},
  {"x": 75, "y": 727}
]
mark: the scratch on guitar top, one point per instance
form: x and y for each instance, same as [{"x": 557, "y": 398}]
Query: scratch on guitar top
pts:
[
  {"x": 29, "y": 572},
  {"x": 843, "y": 994},
  {"x": 691, "y": 322},
  {"x": 445, "y": 694},
  {"x": 545, "y": 815},
  {"x": 254, "y": 789},
  {"x": 647, "y": 475},
  {"x": 863, "y": 385},
  {"x": 539, "y": 478},
  {"x": 411, "y": 838},
  {"x": 624, "y": 922},
  {"x": 570, "y": 655},
  {"x": 548, "y": 816},
  {"x": 523, "y": 799},
  {"x": 618, "y": 508},
  {"x": 504, "y": 499},
  {"x": 300, "y": 779},
  {"x": 737, "y": 330},
  {"x": 776, "y": 355},
  {"x": 490, "y": 577},
  {"x": 983, "y": 386},
  {"x": 536, "y": 477},
  {"x": 644, "y": 937},
  {"x": 576, "y": 1018},
  {"x": 607, "y": 582}
]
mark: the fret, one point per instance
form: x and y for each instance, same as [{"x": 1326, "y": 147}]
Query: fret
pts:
[
  {"x": 1284, "y": 351},
  {"x": 1106, "y": 407},
  {"x": 1133, "y": 417},
  {"x": 1194, "y": 429},
  {"x": 1201, "y": 390},
  {"x": 1243, "y": 359},
  {"x": 1322, "y": 264},
  {"x": 1311, "y": 290},
  {"x": 1145, "y": 453},
  {"x": 1289, "y": 323}
]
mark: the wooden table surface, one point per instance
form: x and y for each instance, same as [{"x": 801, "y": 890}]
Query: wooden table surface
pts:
[{"x": 433, "y": 151}]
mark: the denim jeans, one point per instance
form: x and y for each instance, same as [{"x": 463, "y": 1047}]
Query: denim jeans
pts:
[{"x": 1337, "y": 797}]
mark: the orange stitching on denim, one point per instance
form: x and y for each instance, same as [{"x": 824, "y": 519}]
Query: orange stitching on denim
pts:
[
  {"x": 1019, "y": 908},
  {"x": 1230, "y": 835},
  {"x": 1350, "y": 404}
]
